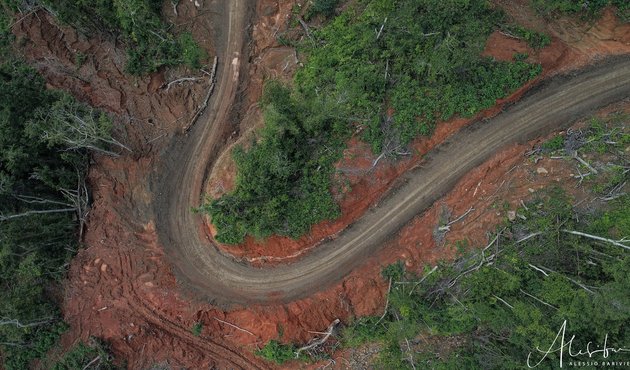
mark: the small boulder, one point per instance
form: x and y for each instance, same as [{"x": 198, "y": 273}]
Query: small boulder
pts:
[{"x": 511, "y": 215}]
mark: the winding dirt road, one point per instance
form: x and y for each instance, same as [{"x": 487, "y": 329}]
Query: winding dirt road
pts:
[{"x": 211, "y": 275}]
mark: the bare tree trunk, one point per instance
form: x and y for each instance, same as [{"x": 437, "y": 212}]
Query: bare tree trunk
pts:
[
  {"x": 320, "y": 341},
  {"x": 595, "y": 237},
  {"x": 29, "y": 213}
]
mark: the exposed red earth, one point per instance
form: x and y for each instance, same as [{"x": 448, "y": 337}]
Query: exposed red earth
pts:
[{"x": 121, "y": 285}]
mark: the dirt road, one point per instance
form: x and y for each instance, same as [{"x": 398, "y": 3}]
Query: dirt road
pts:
[{"x": 178, "y": 183}]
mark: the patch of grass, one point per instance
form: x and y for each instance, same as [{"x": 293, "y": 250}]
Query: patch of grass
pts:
[
  {"x": 79, "y": 59},
  {"x": 520, "y": 57}
]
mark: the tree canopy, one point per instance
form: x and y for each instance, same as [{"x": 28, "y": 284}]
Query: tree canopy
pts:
[{"x": 43, "y": 199}]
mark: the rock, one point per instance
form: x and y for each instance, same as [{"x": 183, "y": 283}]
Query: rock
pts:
[
  {"x": 542, "y": 170},
  {"x": 511, "y": 215}
]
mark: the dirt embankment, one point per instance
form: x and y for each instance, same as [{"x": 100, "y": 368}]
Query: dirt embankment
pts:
[{"x": 121, "y": 287}]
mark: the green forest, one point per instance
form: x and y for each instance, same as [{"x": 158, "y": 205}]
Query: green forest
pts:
[
  {"x": 45, "y": 139},
  {"x": 420, "y": 58},
  {"x": 43, "y": 198},
  {"x": 560, "y": 261}
]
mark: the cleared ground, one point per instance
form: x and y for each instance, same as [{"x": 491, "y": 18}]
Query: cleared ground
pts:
[{"x": 178, "y": 183}]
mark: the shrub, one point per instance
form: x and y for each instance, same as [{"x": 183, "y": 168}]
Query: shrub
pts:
[{"x": 277, "y": 352}]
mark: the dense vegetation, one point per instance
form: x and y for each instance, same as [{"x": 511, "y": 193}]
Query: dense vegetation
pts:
[
  {"x": 513, "y": 298},
  {"x": 420, "y": 58},
  {"x": 42, "y": 199},
  {"x": 150, "y": 43},
  {"x": 583, "y": 8}
]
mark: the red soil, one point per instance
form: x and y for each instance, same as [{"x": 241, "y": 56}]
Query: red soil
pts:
[{"x": 120, "y": 286}]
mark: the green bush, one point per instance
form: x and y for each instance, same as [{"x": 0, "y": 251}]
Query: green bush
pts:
[
  {"x": 324, "y": 7},
  {"x": 556, "y": 143},
  {"x": 277, "y": 352},
  {"x": 283, "y": 180},
  {"x": 197, "y": 328}
]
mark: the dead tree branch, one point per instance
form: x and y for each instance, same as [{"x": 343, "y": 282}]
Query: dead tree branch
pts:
[
  {"x": 528, "y": 237},
  {"x": 585, "y": 163},
  {"x": 180, "y": 81},
  {"x": 570, "y": 279},
  {"x": 504, "y": 302},
  {"x": 595, "y": 237},
  {"x": 538, "y": 299},
  {"x": 320, "y": 341},
  {"x": 31, "y": 12},
  {"x": 39, "y": 212},
  {"x": 423, "y": 279},
  {"x": 615, "y": 192},
  {"x": 17, "y": 323},
  {"x": 410, "y": 354},
  {"x": 386, "y": 302},
  {"x": 509, "y": 35},
  {"x": 538, "y": 269},
  {"x": 78, "y": 126},
  {"x": 235, "y": 326},
  {"x": 38, "y": 200},
  {"x": 447, "y": 227},
  {"x": 203, "y": 106},
  {"x": 97, "y": 358},
  {"x": 306, "y": 29},
  {"x": 462, "y": 216},
  {"x": 378, "y": 34}
]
